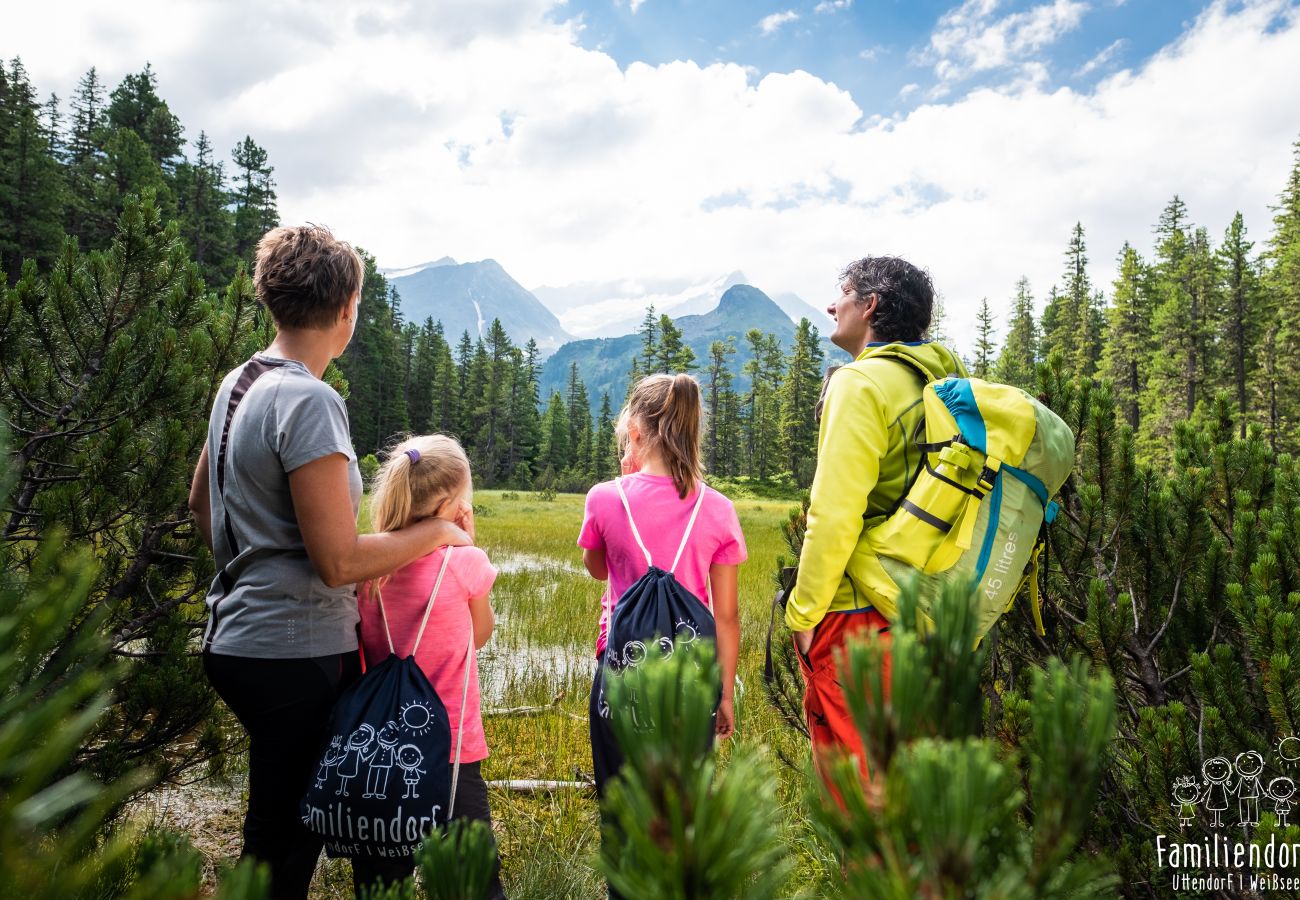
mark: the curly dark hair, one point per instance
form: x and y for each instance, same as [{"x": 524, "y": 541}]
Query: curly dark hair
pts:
[{"x": 906, "y": 295}]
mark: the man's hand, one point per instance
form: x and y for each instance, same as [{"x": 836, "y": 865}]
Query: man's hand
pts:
[{"x": 803, "y": 640}]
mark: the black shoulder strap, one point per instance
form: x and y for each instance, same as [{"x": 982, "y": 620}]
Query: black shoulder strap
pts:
[{"x": 254, "y": 369}]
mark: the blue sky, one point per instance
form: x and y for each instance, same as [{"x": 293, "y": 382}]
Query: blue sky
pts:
[
  {"x": 871, "y": 48},
  {"x": 588, "y": 143}
]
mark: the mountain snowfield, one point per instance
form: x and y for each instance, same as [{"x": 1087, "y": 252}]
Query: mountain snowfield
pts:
[{"x": 467, "y": 296}]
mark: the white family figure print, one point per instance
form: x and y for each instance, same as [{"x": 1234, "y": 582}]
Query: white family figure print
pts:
[
  {"x": 1187, "y": 794},
  {"x": 409, "y": 758},
  {"x": 1217, "y": 770},
  {"x": 381, "y": 762},
  {"x": 1249, "y": 787},
  {"x": 355, "y": 752},
  {"x": 1280, "y": 791},
  {"x": 333, "y": 753}
]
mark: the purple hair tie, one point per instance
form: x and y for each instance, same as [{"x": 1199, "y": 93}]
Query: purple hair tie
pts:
[{"x": 413, "y": 455}]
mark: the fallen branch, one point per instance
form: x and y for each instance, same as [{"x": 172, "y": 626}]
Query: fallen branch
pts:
[
  {"x": 534, "y": 786},
  {"x": 553, "y": 706}
]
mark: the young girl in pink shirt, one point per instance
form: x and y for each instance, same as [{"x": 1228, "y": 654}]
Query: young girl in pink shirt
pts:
[
  {"x": 429, "y": 477},
  {"x": 659, "y": 433}
]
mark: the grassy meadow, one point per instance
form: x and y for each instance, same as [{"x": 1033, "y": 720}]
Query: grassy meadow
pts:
[{"x": 542, "y": 653}]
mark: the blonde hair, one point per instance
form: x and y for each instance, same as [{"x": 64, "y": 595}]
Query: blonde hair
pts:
[
  {"x": 406, "y": 490},
  {"x": 668, "y": 412}
]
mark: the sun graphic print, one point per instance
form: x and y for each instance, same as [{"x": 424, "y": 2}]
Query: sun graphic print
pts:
[{"x": 416, "y": 718}]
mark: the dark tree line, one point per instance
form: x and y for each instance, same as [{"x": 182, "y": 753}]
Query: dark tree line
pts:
[{"x": 69, "y": 170}]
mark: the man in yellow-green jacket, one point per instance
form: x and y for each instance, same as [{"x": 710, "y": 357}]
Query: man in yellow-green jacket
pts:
[{"x": 866, "y": 459}]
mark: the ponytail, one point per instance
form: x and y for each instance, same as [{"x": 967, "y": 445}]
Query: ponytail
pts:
[{"x": 668, "y": 408}]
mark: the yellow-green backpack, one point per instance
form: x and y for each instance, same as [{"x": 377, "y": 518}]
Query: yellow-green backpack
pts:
[{"x": 992, "y": 459}]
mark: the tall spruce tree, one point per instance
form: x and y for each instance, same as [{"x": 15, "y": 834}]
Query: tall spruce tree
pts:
[
  {"x": 578, "y": 409},
  {"x": 205, "y": 223},
  {"x": 556, "y": 452},
  {"x": 763, "y": 422},
  {"x": 374, "y": 366},
  {"x": 253, "y": 196},
  {"x": 1019, "y": 356},
  {"x": 672, "y": 355},
  {"x": 83, "y": 219},
  {"x": 984, "y": 345},
  {"x": 1128, "y": 336},
  {"x": 1282, "y": 279},
  {"x": 1239, "y": 319},
  {"x": 31, "y": 180},
  {"x": 604, "y": 454},
  {"x": 717, "y": 382},
  {"x": 135, "y": 105},
  {"x": 798, "y": 399}
]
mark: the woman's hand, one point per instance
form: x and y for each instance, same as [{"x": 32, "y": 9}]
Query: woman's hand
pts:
[
  {"x": 464, "y": 519},
  {"x": 726, "y": 719},
  {"x": 630, "y": 463}
]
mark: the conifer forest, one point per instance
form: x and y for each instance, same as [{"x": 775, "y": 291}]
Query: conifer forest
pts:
[{"x": 1042, "y": 765}]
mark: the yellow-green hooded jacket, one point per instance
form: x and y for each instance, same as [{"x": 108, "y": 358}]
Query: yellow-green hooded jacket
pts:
[{"x": 865, "y": 457}]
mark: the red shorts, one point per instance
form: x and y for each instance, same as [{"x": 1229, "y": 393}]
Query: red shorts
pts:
[{"x": 829, "y": 721}]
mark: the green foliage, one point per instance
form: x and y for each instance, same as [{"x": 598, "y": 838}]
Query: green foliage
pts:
[
  {"x": 112, "y": 362},
  {"x": 369, "y": 466},
  {"x": 458, "y": 864},
  {"x": 944, "y": 813},
  {"x": 679, "y": 825},
  {"x": 58, "y": 685}
]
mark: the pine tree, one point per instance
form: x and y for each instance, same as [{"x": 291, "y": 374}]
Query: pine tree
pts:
[
  {"x": 464, "y": 367},
  {"x": 31, "y": 181},
  {"x": 984, "y": 340},
  {"x": 254, "y": 197},
  {"x": 205, "y": 223},
  {"x": 375, "y": 366},
  {"x": 135, "y": 105},
  {"x": 578, "y": 409},
  {"x": 672, "y": 355},
  {"x": 1283, "y": 283},
  {"x": 1072, "y": 322},
  {"x": 717, "y": 382},
  {"x": 764, "y": 414},
  {"x": 113, "y": 361},
  {"x": 446, "y": 396},
  {"x": 649, "y": 332},
  {"x": 82, "y": 218},
  {"x": 1240, "y": 318},
  {"x": 424, "y": 386},
  {"x": 525, "y": 420},
  {"x": 1128, "y": 341},
  {"x": 56, "y": 838},
  {"x": 604, "y": 455},
  {"x": 1019, "y": 356},
  {"x": 556, "y": 452},
  {"x": 798, "y": 398}
]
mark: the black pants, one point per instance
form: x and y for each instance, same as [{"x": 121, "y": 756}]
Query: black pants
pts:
[
  {"x": 284, "y": 705},
  {"x": 471, "y": 803}
]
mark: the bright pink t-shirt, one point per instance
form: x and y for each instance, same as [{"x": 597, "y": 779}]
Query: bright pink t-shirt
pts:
[
  {"x": 442, "y": 650},
  {"x": 661, "y": 518}
]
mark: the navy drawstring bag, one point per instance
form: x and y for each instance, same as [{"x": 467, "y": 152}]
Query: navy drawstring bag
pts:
[
  {"x": 655, "y": 613},
  {"x": 383, "y": 782}
]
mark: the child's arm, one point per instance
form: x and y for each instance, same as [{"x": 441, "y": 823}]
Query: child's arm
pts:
[
  {"x": 480, "y": 614},
  {"x": 594, "y": 560},
  {"x": 722, "y": 580}
]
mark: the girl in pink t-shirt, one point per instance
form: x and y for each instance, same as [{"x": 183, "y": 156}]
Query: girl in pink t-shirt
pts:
[
  {"x": 659, "y": 431},
  {"x": 429, "y": 476}
]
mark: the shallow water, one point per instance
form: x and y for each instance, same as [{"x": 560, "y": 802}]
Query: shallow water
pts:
[{"x": 504, "y": 670}]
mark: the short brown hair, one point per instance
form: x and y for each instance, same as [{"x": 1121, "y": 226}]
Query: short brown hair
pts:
[
  {"x": 668, "y": 410},
  {"x": 305, "y": 276}
]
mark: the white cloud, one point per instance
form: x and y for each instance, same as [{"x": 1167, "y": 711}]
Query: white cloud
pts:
[
  {"x": 1101, "y": 59},
  {"x": 634, "y": 5},
  {"x": 771, "y": 24},
  {"x": 830, "y": 6},
  {"x": 972, "y": 38},
  {"x": 483, "y": 130}
]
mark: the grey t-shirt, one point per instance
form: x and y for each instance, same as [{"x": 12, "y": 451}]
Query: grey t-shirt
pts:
[{"x": 278, "y": 606}]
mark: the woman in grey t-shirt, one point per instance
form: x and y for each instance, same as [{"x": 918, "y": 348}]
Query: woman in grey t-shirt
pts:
[{"x": 276, "y": 495}]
